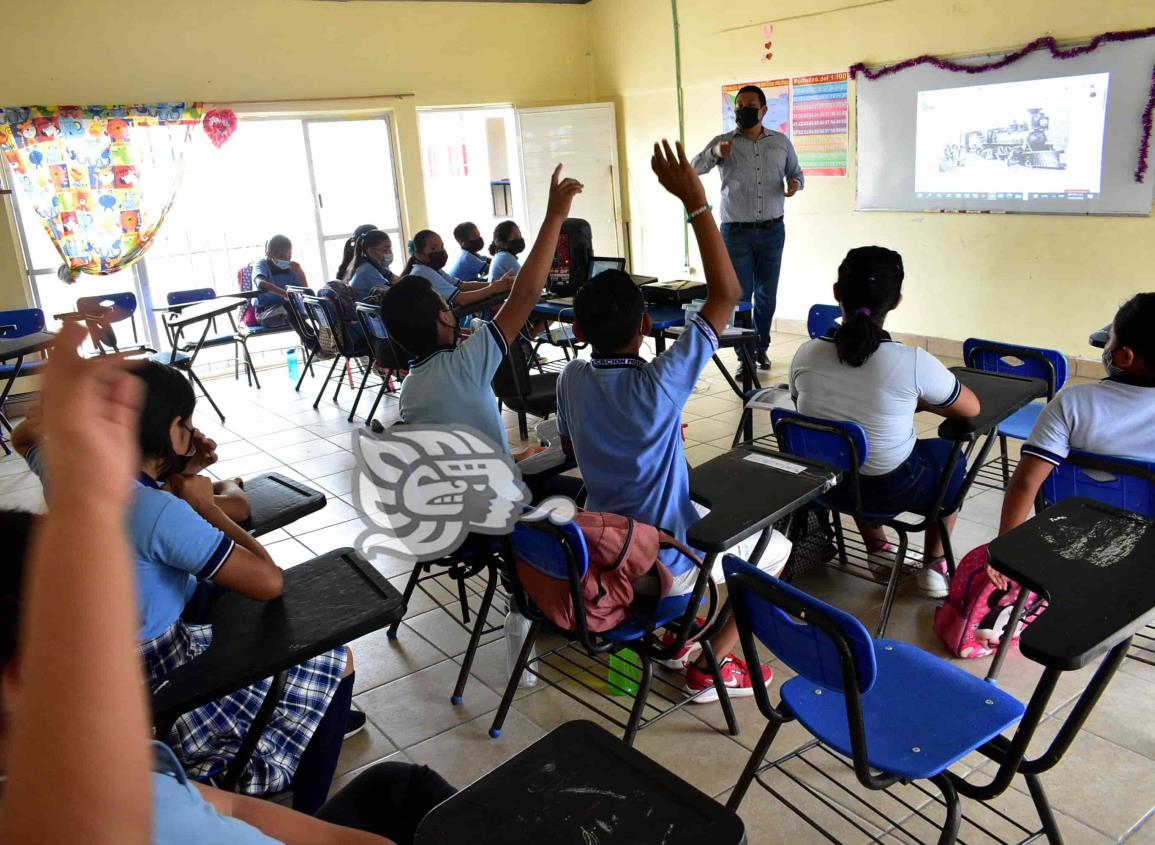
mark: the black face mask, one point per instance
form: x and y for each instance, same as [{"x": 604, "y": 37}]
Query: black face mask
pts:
[
  {"x": 438, "y": 259},
  {"x": 746, "y": 118},
  {"x": 474, "y": 245},
  {"x": 517, "y": 246}
]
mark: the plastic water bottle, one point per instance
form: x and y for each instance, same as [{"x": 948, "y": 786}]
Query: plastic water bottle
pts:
[
  {"x": 516, "y": 630},
  {"x": 625, "y": 673},
  {"x": 294, "y": 361}
]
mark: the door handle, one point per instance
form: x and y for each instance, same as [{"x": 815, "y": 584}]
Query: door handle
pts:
[{"x": 320, "y": 201}]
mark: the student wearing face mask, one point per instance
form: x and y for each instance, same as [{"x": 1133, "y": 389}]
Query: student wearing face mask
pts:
[
  {"x": 427, "y": 259},
  {"x": 507, "y": 245},
  {"x": 369, "y": 266},
  {"x": 470, "y": 266},
  {"x": 271, "y": 275},
  {"x": 759, "y": 170}
]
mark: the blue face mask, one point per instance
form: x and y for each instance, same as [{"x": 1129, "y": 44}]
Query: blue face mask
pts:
[{"x": 281, "y": 263}]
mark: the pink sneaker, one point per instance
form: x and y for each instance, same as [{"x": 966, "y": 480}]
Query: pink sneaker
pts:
[{"x": 735, "y": 675}]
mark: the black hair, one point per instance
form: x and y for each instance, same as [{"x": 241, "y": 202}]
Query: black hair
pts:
[
  {"x": 747, "y": 89},
  {"x": 16, "y": 529},
  {"x": 501, "y": 232},
  {"x": 417, "y": 245},
  {"x": 409, "y": 310},
  {"x": 869, "y": 286},
  {"x": 277, "y": 243},
  {"x": 609, "y": 308},
  {"x": 461, "y": 230},
  {"x": 347, "y": 252},
  {"x": 361, "y": 245},
  {"x": 167, "y": 396},
  {"x": 1135, "y": 327}
]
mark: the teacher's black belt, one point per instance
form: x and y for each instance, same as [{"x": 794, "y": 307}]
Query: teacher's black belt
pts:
[{"x": 762, "y": 224}]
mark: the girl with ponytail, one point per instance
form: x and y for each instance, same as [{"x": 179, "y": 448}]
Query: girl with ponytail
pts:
[
  {"x": 369, "y": 265},
  {"x": 347, "y": 252},
  {"x": 857, "y": 373}
]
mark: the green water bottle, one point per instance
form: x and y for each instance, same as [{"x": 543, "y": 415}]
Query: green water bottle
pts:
[{"x": 625, "y": 673}]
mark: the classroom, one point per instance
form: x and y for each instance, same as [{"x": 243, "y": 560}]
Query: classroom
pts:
[{"x": 416, "y": 425}]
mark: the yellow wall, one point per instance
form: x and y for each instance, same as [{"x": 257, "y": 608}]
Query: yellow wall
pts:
[
  {"x": 114, "y": 51},
  {"x": 1035, "y": 279}
]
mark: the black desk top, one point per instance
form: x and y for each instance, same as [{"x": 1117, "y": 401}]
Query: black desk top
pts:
[
  {"x": 327, "y": 602},
  {"x": 14, "y": 347},
  {"x": 1096, "y": 566},
  {"x": 576, "y": 786},
  {"x": 276, "y": 501},
  {"x": 999, "y": 396},
  {"x": 1099, "y": 339},
  {"x": 747, "y": 490},
  {"x": 731, "y": 337},
  {"x": 206, "y": 309}
]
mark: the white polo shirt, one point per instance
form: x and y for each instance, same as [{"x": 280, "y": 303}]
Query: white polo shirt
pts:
[
  {"x": 1113, "y": 417},
  {"x": 882, "y": 395}
]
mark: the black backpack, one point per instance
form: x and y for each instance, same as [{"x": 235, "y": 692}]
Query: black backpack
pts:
[{"x": 571, "y": 262}]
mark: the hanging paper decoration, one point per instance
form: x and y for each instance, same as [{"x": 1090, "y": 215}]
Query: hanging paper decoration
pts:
[
  {"x": 101, "y": 178},
  {"x": 219, "y": 125}
]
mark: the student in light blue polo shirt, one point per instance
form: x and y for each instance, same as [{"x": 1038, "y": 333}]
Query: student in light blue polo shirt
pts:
[
  {"x": 427, "y": 259},
  {"x": 471, "y": 265},
  {"x": 369, "y": 265},
  {"x": 621, "y": 416},
  {"x": 506, "y": 246},
  {"x": 449, "y": 382},
  {"x": 271, "y": 275}
]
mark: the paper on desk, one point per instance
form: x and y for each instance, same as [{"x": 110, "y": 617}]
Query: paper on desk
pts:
[{"x": 776, "y": 463}]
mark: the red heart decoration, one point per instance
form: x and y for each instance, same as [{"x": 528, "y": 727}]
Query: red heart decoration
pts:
[{"x": 219, "y": 125}]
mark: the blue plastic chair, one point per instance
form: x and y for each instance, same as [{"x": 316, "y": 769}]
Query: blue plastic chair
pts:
[
  {"x": 184, "y": 297},
  {"x": 844, "y": 445},
  {"x": 333, "y": 338},
  {"x": 899, "y": 713},
  {"x": 17, "y": 323},
  {"x": 386, "y": 361},
  {"x": 235, "y": 337},
  {"x": 100, "y": 312},
  {"x": 1123, "y": 483},
  {"x": 560, "y": 552},
  {"x": 1025, "y": 361},
  {"x": 822, "y": 319}
]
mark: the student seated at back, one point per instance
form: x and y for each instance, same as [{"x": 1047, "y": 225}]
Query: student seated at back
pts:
[
  {"x": 350, "y": 245},
  {"x": 621, "y": 416},
  {"x": 1114, "y": 417},
  {"x": 449, "y": 382},
  {"x": 271, "y": 275},
  {"x": 427, "y": 258},
  {"x": 369, "y": 266},
  {"x": 860, "y": 375},
  {"x": 506, "y": 246},
  {"x": 471, "y": 265}
]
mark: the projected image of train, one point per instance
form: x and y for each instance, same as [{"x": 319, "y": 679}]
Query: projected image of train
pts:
[{"x": 1022, "y": 143}]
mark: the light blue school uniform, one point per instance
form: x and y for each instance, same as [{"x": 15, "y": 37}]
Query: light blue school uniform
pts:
[
  {"x": 442, "y": 282},
  {"x": 624, "y": 417},
  {"x": 452, "y": 386},
  {"x": 366, "y": 277},
  {"x": 503, "y": 263},
  {"x": 265, "y": 268},
  {"x": 180, "y": 816},
  {"x": 470, "y": 267},
  {"x": 1113, "y": 417}
]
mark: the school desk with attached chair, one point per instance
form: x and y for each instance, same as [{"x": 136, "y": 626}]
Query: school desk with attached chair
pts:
[
  {"x": 276, "y": 501},
  {"x": 22, "y": 334}
]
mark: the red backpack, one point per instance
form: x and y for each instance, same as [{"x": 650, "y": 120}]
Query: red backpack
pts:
[
  {"x": 621, "y": 550},
  {"x": 972, "y": 620},
  {"x": 245, "y": 283}
]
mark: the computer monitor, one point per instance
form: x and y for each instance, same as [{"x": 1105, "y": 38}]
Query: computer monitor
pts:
[{"x": 599, "y": 264}]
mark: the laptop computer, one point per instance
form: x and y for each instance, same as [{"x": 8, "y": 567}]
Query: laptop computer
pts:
[{"x": 599, "y": 264}]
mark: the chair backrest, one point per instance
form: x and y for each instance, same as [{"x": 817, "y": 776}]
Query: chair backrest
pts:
[
  {"x": 184, "y": 297},
  {"x": 371, "y": 321},
  {"x": 299, "y": 317},
  {"x": 1011, "y": 359},
  {"x": 512, "y": 377},
  {"x": 1121, "y": 482},
  {"x": 550, "y": 548},
  {"x": 822, "y": 319},
  {"x": 803, "y": 632},
  {"x": 332, "y": 333},
  {"x": 112, "y": 307},
  {"x": 21, "y": 321},
  {"x": 840, "y": 443}
]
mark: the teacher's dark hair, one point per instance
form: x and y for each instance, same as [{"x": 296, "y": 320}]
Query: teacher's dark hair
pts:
[
  {"x": 746, "y": 89},
  {"x": 869, "y": 286}
]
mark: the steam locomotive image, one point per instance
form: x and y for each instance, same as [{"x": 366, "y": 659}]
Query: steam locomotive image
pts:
[{"x": 1023, "y": 143}]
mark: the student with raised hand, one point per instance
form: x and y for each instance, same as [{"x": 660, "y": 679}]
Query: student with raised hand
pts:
[
  {"x": 427, "y": 258},
  {"x": 471, "y": 265},
  {"x": 506, "y": 246},
  {"x": 621, "y": 416},
  {"x": 368, "y": 267},
  {"x": 859, "y": 374},
  {"x": 1114, "y": 417},
  {"x": 449, "y": 382}
]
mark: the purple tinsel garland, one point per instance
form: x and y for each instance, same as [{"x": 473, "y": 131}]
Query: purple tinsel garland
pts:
[{"x": 1056, "y": 51}]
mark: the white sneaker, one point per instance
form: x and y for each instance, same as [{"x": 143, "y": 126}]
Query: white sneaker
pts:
[
  {"x": 881, "y": 562},
  {"x": 933, "y": 580}
]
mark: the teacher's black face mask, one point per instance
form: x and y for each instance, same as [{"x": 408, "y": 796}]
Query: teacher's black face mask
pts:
[{"x": 746, "y": 118}]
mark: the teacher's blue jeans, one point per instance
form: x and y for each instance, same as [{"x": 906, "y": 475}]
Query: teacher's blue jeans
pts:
[{"x": 757, "y": 258}]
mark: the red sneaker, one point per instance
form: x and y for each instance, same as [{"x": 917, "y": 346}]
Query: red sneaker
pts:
[
  {"x": 735, "y": 675},
  {"x": 689, "y": 650}
]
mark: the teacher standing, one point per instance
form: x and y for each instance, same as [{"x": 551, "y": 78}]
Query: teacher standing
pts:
[{"x": 759, "y": 169}]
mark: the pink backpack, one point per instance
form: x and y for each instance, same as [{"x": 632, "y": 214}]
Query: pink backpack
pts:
[
  {"x": 974, "y": 617},
  {"x": 245, "y": 283},
  {"x": 621, "y": 550}
]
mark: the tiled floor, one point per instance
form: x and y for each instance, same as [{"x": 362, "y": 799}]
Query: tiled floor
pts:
[{"x": 1104, "y": 790}]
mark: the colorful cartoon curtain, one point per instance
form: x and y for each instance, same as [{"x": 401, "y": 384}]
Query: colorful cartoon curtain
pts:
[{"x": 101, "y": 178}]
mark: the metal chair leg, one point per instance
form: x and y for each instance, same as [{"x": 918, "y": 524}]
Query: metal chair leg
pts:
[
  {"x": 325, "y": 383},
  {"x": 752, "y": 766},
  {"x": 376, "y": 402},
  {"x": 360, "y": 390},
  {"x": 640, "y": 697},
  {"x": 249, "y": 363},
  {"x": 475, "y": 636},
  {"x": 892, "y": 585},
  {"x": 410, "y": 586},
  {"x": 522, "y": 425},
  {"x": 308, "y": 368},
  {"x": 236, "y": 769},
  {"x": 1043, "y": 806},
  {"x": 193, "y": 377},
  {"x": 953, "y": 819},
  {"x": 1005, "y": 461},
  {"x": 514, "y": 679},
  {"x": 723, "y": 696}
]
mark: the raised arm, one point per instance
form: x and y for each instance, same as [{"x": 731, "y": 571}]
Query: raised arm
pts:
[
  {"x": 679, "y": 178},
  {"x": 527, "y": 287},
  {"x": 79, "y": 764}
]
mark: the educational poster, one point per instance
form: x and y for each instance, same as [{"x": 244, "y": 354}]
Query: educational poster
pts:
[
  {"x": 777, "y": 104},
  {"x": 819, "y": 123}
]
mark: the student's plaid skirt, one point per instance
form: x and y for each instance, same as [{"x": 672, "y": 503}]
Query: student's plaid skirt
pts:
[{"x": 206, "y": 739}]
